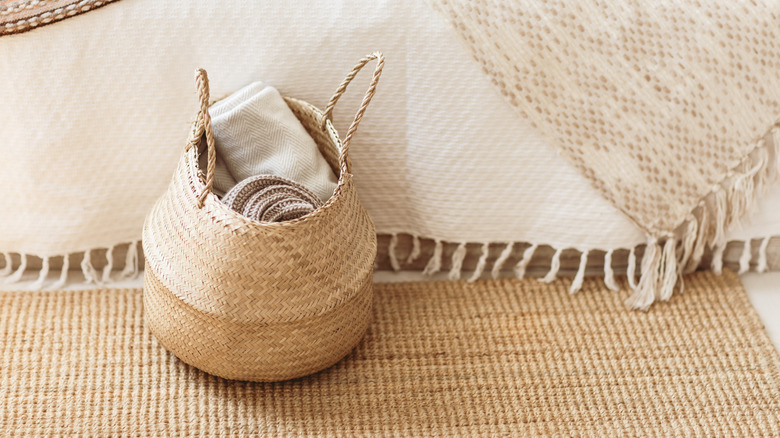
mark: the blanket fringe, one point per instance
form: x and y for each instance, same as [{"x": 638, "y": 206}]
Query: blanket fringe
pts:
[
  {"x": 555, "y": 265},
  {"x": 717, "y": 259},
  {"x": 87, "y": 267},
  {"x": 609, "y": 274},
  {"x": 42, "y": 274},
  {"x": 762, "y": 265},
  {"x": 645, "y": 290},
  {"x": 744, "y": 260},
  {"x": 481, "y": 263},
  {"x": 391, "y": 252},
  {"x": 8, "y": 267},
  {"x": 63, "y": 274},
  {"x": 502, "y": 258},
  {"x": 17, "y": 275},
  {"x": 109, "y": 265},
  {"x": 576, "y": 284},
  {"x": 89, "y": 271},
  {"x": 661, "y": 264},
  {"x": 131, "y": 261},
  {"x": 434, "y": 264},
  {"x": 701, "y": 238},
  {"x": 457, "y": 261},
  {"x": 707, "y": 225},
  {"x": 631, "y": 268},
  {"x": 528, "y": 254},
  {"x": 668, "y": 269},
  {"x": 415, "y": 253}
]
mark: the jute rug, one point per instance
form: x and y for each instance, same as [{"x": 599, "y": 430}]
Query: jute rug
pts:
[{"x": 491, "y": 358}]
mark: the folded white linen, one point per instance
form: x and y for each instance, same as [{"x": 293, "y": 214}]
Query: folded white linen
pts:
[{"x": 256, "y": 133}]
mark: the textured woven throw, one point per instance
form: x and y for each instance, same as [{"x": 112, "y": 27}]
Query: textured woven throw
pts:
[
  {"x": 269, "y": 198},
  {"x": 670, "y": 108},
  {"x": 17, "y": 16},
  {"x": 256, "y": 133},
  {"x": 491, "y": 358}
]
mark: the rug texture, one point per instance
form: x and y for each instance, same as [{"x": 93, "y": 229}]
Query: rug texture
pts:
[
  {"x": 670, "y": 109},
  {"x": 490, "y": 358}
]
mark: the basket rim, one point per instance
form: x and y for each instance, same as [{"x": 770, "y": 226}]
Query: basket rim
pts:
[{"x": 197, "y": 184}]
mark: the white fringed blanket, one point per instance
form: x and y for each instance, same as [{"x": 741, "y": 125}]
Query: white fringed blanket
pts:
[{"x": 92, "y": 126}]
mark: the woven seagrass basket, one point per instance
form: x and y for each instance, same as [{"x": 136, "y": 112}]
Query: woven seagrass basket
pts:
[{"x": 260, "y": 301}]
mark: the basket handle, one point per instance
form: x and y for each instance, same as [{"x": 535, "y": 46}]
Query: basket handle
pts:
[
  {"x": 344, "y": 162},
  {"x": 203, "y": 126},
  {"x": 203, "y": 123}
]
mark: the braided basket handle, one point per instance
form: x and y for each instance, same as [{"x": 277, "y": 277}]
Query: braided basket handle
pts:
[
  {"x": 203, "y": 126},
  {"x": 328, "y": 113},
  {"x": 203, "y": 123}
]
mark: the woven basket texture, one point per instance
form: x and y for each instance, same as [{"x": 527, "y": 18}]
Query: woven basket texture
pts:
[{"x": 260, "y": 301}]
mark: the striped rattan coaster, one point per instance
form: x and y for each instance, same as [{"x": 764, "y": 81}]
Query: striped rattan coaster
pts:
[{"x": 490, "y": 358}]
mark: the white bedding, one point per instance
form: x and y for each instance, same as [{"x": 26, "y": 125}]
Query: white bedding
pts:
[{"x": 96, "y": 110}]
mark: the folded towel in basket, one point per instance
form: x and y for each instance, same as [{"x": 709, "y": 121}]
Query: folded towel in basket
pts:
[
  {"x": 271, "y": 198},
  {"x": 256, "y": 133}
]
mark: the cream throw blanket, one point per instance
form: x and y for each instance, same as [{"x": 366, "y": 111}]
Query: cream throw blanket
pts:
[
  {"x": 665, "y": 107},
  {"x": 256, "y": 133}
]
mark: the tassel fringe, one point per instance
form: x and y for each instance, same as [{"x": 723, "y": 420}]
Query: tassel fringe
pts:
[
  {"x": 609, "y": 274},
  {"x": 457, "y": 261},
  {"x": 481, "y": 263},
  {"x": 717, "y": 259},
  {"x": 63, "y": 274},
  {"x": 415, "y": 250},
  {"x": 661, "y": 263},
  {"x": 659, "y": 274},
  {"x": 528, "y": 254},
  {"x": 644, "y": 294},
  {"x": 87, "y": 268},
  {"x": 707, "y": 225},
  {"x": 89, "y": 271},
  {"x": 744, "y": 260},
  {"x": 502, "y": 258},
  {"x": 42, "y": 274},
  {"x": 555, "y": 265},
  {"x": 106, "y": 278},
  {"x": 434, "y": 264},
  {"x": 762, "y": 262},
  {"x": 17, "y": 275},
  {"x": 8, "y": 267},
  {"x": 576, "y": 284},
  {"x": 391, "y": 250},
  {"x": 131, "y": 262},
  {"x": 631, "y": 268}
]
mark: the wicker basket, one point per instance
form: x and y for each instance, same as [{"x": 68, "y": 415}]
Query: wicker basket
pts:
[{"x": 256, "y": 301}]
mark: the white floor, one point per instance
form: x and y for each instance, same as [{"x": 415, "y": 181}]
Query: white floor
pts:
[
  {"x": 762, "y": 289},
  {"x": 764, "y": 292}
]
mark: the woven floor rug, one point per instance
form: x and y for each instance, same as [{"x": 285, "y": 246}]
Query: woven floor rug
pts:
[{"x": 491, "y": 358}]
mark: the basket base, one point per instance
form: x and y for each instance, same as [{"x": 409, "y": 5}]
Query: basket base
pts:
[{"x": 259, "y": 352}]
